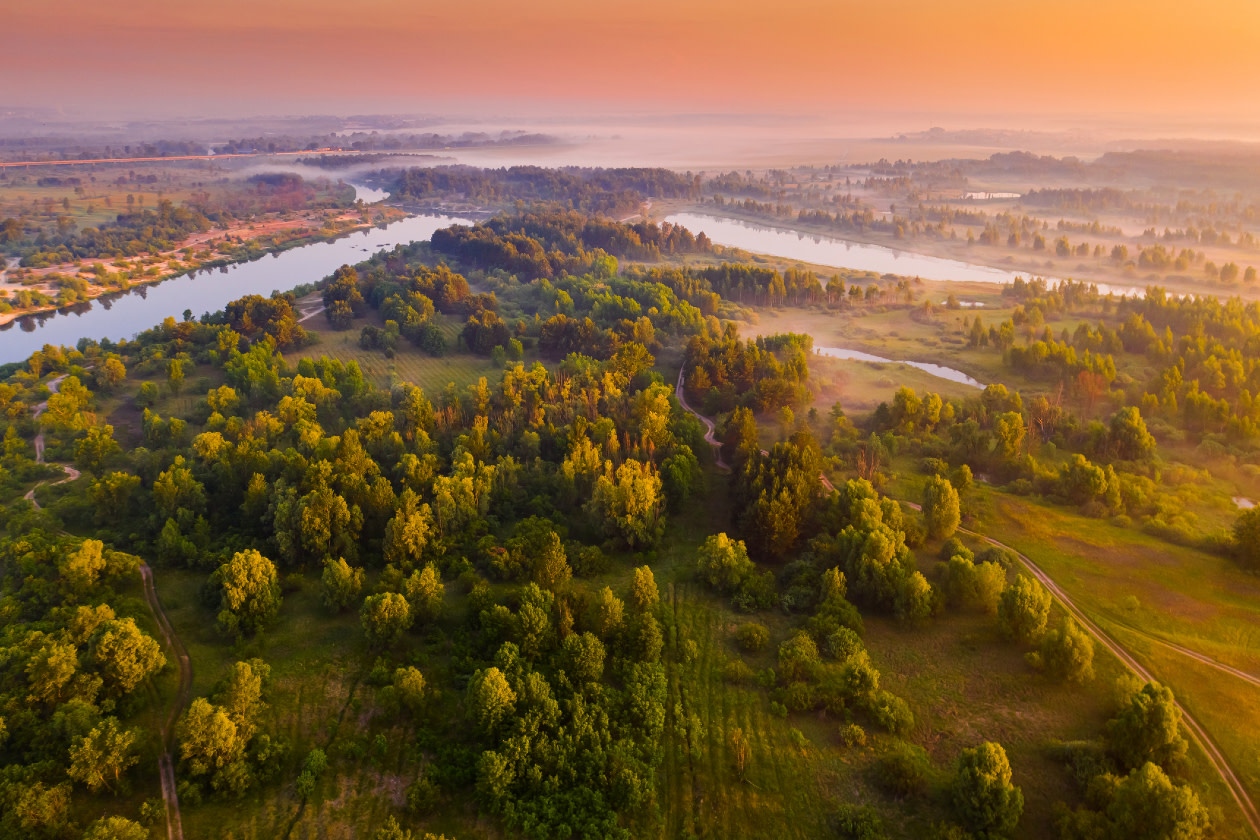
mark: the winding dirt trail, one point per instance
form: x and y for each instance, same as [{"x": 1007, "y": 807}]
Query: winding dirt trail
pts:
[
  {"x": 71, "y": 472},
  {"x": 166, "y": 765},
  {"x": 1197, "y": 732},
  {"x": 710, "y": 434}
]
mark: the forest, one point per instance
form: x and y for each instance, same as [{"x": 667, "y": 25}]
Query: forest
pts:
[{"x": 514, "y": 565}]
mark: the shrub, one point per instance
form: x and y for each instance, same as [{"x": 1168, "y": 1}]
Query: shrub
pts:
[
  {"x": 843, "y": 644},
  {"x": 904, "y": 771},
  {"x": 852, "y": 735},
  {"x": 858, "y": 822},
  {"x": 752, "y": 637},
  {"x": 891, "y": 712},
  {"x": 737, "y": 672}
]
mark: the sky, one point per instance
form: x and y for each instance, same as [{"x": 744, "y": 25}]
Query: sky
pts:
[{"x": 1145, "y": 60}]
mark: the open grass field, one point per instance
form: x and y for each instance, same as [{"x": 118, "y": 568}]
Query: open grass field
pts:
[
  {"x": 410, "y": 364},
  {"x": 1139, "y": 587}
]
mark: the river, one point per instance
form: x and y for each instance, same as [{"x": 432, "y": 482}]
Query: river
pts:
[
  {"x": 122, "y": 315},
  {"x": 840, "y": 253}
]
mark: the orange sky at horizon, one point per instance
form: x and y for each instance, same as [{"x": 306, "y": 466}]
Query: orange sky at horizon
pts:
[{"x": 1141, "y": 57}]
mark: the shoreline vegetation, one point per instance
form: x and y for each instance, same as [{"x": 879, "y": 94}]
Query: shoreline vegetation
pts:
[{"x": 276, "y": 236}]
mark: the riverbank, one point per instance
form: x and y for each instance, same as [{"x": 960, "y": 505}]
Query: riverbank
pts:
[
  {"x": 1017, "y": 262},
  {"x": 284, "y": 235}
]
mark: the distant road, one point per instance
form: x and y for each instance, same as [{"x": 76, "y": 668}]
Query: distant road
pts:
[{"x": 13, "y": 163}]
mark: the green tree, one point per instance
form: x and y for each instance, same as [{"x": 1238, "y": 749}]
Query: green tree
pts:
[
  {"x": 96, "y": 448},
  {"x": 627, "y": 503},
  {"x": 985, "y": 801},
  {"x": 116, "y": 828},
  {"x": 971, "y": 585},
  {"x": 49, "y": 672},
  {"x": 583, "y": 655},
  {"x": 407, "y": 534},
  {"x": 385, "y": 618},
  {"x": 489, "y": 700},
  {"x": 250, "y": 589},
  {"x": 207, "y": 737},
  {"x": 175, "y": 375},
  {"x": 110, "y": 373},
  {"x": 1067, "y": 654},
  {"x": 1023, "y": 609},
  {"x": 1129, "y": 439},
  {"x": 102, "y": 756},
  {"x": 798, "y": 658},
  {"x": 125, "y": 655},
  {"x": 424, "y": 591},
  {"x": 1147, "y": 804},
  {"x": 1009, "y": 429},
  {"x": 241, "y": 696},
  {"x": 643, "y": 592},
  {"x": 940, "y": 508},
  {"x": 1247, "y": 538},
  {"x": 915, "y": 599},
  {"x": 550, "y": 567},
  {"x": 410, "y": 685},
  {"x": 723, "y": 563},
  {"x": 607, "y": 613},
  {"x": 81, "y": 569},
  {"x": 340, "y": 584},
  {"x": 176, "y": 490},
  {"x": 1148, "y": 728}
]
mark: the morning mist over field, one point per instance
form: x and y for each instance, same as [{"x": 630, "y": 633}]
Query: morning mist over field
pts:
[{"x": 810, "y": 420}]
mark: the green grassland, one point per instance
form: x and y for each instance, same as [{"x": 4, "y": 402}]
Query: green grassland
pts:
[
  {"x": 1140, "y": 588},
  {"x": 410, "y": 364}
]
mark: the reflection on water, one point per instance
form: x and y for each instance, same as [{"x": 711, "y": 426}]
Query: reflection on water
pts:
[
  {"x": 370, "y": 195},
  {"x": 841, "y": 253},
  {"x": 927, "y": 367},
  {"x": 121, "y": 315}
]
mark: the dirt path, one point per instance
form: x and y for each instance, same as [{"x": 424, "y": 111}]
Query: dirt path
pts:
[
  {"x": 710, "y": 434},
  {"x": 1197, "y": 733},
  {"x": 71, "y": 472},
  {"x": 311, "y": 314},
  {"x": 166, "y": 765}
]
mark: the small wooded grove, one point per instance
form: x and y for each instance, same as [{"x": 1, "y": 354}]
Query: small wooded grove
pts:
[{"x": 506, "y": 532}]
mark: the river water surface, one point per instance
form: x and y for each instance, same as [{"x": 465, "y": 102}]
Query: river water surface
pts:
[
  {"x": 841, "y": 253},
  {"x": 123, "y": 315}
]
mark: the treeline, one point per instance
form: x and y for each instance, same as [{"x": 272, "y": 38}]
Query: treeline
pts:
[
  {"x": 133, "y": 234},
  {"x": 605, "y": 191},
  {"x": 548, "y": 243}
]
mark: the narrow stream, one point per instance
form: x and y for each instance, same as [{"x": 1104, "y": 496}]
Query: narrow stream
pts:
[{"x": 927, "y": 367}]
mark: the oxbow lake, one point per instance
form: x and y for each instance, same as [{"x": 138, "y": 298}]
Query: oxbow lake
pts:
[
  {"x": 124, "y": 314},
  {"x": 927, "y": 367}
]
